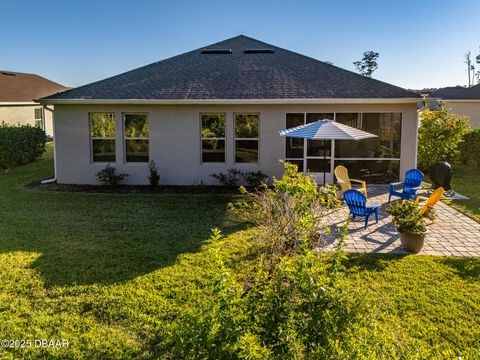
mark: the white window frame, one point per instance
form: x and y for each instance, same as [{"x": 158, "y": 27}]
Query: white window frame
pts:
[{"x": 254, "y": 138}]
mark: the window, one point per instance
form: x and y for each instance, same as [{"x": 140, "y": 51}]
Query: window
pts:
[
  {"x": 136, "y": 137},
  {"x": 102, "y": 133},
  {"x": 38, "y": 117},
  {"x": 246, "y": 138},
  {"x": 213, "y": 137}
]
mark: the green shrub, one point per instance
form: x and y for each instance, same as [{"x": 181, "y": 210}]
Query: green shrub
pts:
[
  {"x": 290, "y": 213},
  {"x": 297, "y": 309},
  {"x": 230, "y": 179},
  {"x": 20, "y": 145},
  {"x": 470, "y": 148},
  {"x": 153, "y": 177},
  {"x": 408, "y": 218},
  {"x": 255, "y": 179},
  {"x": 108, "y": 177},
  {"x": 439, "y": 136}
]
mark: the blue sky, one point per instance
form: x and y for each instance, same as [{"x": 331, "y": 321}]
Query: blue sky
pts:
[{"x": 421, "y": 43}]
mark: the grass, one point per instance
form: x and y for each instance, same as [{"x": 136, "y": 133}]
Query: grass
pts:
[
  {"x": 465, "y": 181},
  {"x": 109, "y": 273}
]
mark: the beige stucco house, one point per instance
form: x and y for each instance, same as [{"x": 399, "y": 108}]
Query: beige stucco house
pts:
[
  {"x": 18, "y": 92},
  {"x": 460, "y": 100},
  {"x": 222, "y": 107}
]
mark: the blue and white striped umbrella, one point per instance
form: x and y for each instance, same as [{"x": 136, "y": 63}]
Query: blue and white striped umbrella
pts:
[{"x": 326, "y": 130}]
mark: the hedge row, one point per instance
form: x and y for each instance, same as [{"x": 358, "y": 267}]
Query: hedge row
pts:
[
  {"x": 470, "y": 148},
  {"x": 20, "y": 145}
]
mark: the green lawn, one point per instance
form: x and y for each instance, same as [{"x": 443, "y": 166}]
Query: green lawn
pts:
[
  {"x": 109, "y": 273},
  {"x": 466, "y": 181}
]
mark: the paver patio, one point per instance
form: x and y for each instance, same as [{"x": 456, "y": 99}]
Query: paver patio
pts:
[{"x": 452, "y": 234}]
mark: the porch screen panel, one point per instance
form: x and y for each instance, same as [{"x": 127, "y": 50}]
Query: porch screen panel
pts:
[
  {"x": 294, "y": 146},
  {"x": 375, "y": 159},
  {"x": 102, "y": 134}
]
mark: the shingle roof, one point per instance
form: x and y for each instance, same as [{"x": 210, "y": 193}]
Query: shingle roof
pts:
[
  {"x": 195, "y": 75},
  {"x": 457, "y": 93},
  {"x": 22, "y": 87}
]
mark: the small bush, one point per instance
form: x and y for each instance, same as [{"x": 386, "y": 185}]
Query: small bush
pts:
[
  {"x": 290, "y": 213},
  {"x": 470, "y": 148},
  {"x": 153, "y": 177},
  {"x": 20, "y": 145},
  {"x": 408, "y": 218},
  {"x": 255, "y": 179},
  {"x": 439, "y": 136},
  {"x": 108, "y": 177},
  {"x": 230, "y": 179}
]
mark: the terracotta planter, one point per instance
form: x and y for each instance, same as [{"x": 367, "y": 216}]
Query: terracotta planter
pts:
[{"x": 412, "y": 242}]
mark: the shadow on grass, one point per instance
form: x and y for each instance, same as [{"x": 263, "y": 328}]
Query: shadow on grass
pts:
[
  {"x": 102, "y": 238},
  {"x": 464, "y": 267},
  {"x": 371, "y": 261}
]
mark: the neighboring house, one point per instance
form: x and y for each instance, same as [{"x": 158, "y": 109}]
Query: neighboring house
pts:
[
  {"x": 17, "y": 94},
  {"x": 222, "y": 107},
  {"x": 461, "y": 100}
]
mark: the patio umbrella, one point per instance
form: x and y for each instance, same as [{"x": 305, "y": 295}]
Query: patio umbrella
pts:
[{"x": 326, "y": 130}]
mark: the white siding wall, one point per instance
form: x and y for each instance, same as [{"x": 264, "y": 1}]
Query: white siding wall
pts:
[{"x": 175, "y": 140}]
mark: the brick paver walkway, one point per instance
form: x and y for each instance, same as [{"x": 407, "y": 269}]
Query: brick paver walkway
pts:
[{"x": 452, "y": 234}]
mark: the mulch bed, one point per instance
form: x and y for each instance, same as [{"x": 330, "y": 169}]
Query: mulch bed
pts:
[{"x": 136, "y": 189}]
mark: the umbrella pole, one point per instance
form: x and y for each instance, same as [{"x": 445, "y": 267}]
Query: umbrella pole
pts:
[{"x": 324, "y": 161}]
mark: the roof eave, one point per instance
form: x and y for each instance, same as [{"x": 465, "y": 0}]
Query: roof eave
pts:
[
  {"x": 228, "y": 101},
  {"x": 18, "y": 103},
  {"x": 459, "y": 100}
]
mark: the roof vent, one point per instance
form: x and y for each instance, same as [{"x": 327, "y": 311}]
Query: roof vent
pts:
[
  {"x": 258, "y": 51},
  {"x": 7, "y": 73},
  {"x": 216, "y": 51}
]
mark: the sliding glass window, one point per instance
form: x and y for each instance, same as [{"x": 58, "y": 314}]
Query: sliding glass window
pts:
[
  {"x": 102, "y": 135},
  {"x": 213, "y": 137},
  {"x": 136, "y": 137}
]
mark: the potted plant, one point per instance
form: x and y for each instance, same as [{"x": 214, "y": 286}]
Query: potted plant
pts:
[{"x": 410, "y": 223}]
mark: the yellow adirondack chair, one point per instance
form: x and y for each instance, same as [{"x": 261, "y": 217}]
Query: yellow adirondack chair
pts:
[
  {"x": 431, "y": 200},
  {"x": 341, "y": 173}
]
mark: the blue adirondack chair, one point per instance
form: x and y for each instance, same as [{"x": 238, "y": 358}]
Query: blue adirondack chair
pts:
[
  {"x": 357, "y": 203},
  {"x": 413, "y": 179}
]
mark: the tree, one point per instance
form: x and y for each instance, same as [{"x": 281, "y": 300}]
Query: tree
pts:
[
  {"x": 439, "y": 136},
  {"x": 478, "y": 62},
  {"x": 470, "y": 69},
  {"x": 368, "y": 64}
]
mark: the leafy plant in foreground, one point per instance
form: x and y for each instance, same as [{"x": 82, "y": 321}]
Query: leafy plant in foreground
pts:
[
  {"x": 296, "y": 309},
  {"x": 290, "y": 213}
]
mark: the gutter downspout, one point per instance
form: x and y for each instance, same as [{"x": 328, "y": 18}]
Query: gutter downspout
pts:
[{"x": 54, "y": 179}]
